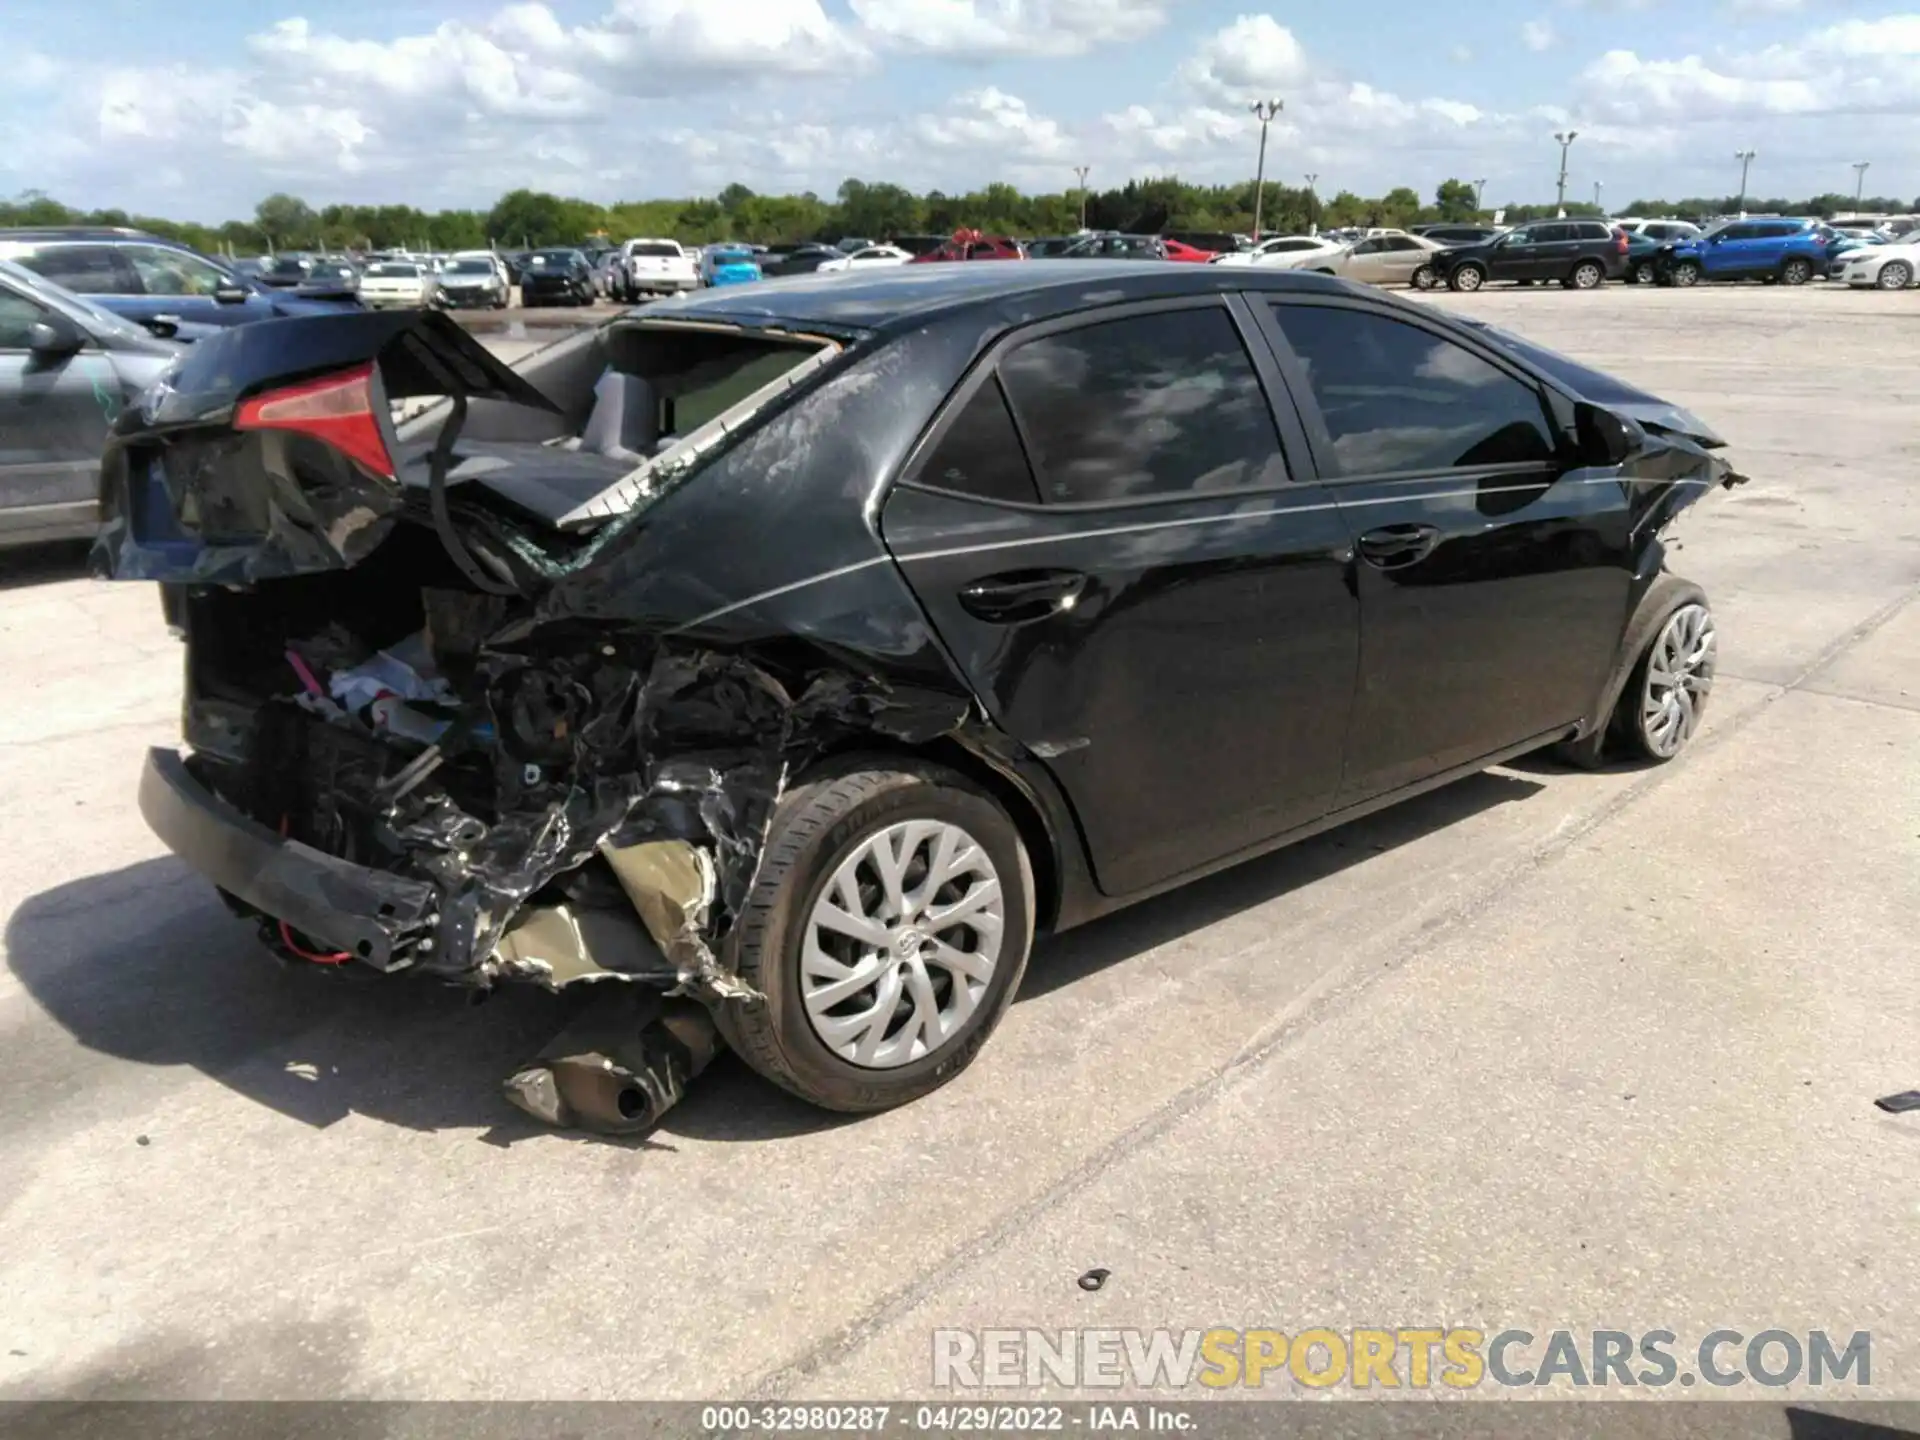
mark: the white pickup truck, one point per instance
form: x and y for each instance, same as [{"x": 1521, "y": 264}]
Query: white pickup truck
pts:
[{"x": 650, "y": 267}]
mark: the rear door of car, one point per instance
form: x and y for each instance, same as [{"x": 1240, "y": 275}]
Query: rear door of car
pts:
[
  {"x": 1396, "y": 260},
  {"x": 54, "y": 414},
  {"x": 1492, "y": 576},
  {"x": 1117, "y": 538}
]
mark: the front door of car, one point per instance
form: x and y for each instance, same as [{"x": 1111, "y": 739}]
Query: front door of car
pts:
[
  {"x": 1493, "y": 575},
  {"x": 180, "y": 286},
  {"x": 1151, "y": 603},
  {"x": 54, "y": 411},
  {"x": 1514, "y": 257},
  {"x": 1725, "y": 252}
]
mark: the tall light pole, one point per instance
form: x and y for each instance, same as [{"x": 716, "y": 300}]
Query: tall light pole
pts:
[
  {"x": 1313, "y": 206},
  {"x": 1746, "y": 158},
  {"x": 1596, "y": 199},
  {"x": 1566, "y": 139},
  {"x": 1263, "y": 111},
  {"x": 1859, "y": 180},
  {"x": 1478, "y": 187},
  {"x": 1080, "y": 173}
]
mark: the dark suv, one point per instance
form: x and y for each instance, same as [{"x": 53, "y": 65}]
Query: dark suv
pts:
[
  {"x": 1787, "y": 250},
  {"x": 1580, "y": 254},
  {"x": 172, "y": 290}
]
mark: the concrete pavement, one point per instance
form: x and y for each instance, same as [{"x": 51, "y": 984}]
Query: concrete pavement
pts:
[{"x": 1544, "y": 1049}]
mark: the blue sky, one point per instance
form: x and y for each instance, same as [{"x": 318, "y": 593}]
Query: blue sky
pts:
[{"x": 197, "y": 111}]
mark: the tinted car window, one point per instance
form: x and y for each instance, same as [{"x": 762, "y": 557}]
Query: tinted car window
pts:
[
  {"x": 1396, "y": 397},
  {"x": 980, "y": 453},
  {"x": 18, "y": 315},
  {"x": 1779, "y": 229},
  {"x": 1737, "y": 232},
  {"x": 1400, "y": 242},
  {"x": 1552, "y": 234},
  {"x": 84, "y": 269},
  {"x": 1164, "y": 404},
  {"x": 1591, "y": 230}
]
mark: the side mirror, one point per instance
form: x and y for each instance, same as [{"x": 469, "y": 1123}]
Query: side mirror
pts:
[
  {"x": 230, "y": 293},
  {"x": 1604, "y": 438},
  {"x": 54, "y": 338}
]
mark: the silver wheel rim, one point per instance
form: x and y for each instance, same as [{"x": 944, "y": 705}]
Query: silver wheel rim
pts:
[
  {"x": 1679, "y": 675},
  {"x": 1685, "y": 275},
  {"x": 1643, "y": 274},
  {"x": 1894, "y": 275},
  {"x": 1798, "y": 272},
  {"x": 1587, "y": 276},
  {"x": 902, "y": 944},
  {"x": 1469, "y": 279}
]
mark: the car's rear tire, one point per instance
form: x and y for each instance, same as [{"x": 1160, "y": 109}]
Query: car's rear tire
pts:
[
  {"x": 1796, "y": 271},
  {"x": 1634, "y": 726},
  {"x": 1686, "y": 274},
  {"x": 841, "y": 894},
  {"x": 1466, "y": 277},
  {"x": 1894, "y": 275},
  {"x": 1587, "y": 275},
  {"x": 1423, "y": 278}
]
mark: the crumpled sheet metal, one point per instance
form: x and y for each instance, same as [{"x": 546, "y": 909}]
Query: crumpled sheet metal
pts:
[
  {"x": 557, "y": 945},
  {"x": 667, "y": 766},
  {"x": 329, "y": 517}
]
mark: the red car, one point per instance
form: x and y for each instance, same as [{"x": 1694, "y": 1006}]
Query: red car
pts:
[
  {"x": 972, "y": 245},
  {"x": 1192, "y": 254}
]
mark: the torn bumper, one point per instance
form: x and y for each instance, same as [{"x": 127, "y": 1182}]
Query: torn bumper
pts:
[{"x": 364, "y": 912}]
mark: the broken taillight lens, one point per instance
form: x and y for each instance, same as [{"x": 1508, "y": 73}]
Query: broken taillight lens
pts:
[{"x": 337, "y": 409}]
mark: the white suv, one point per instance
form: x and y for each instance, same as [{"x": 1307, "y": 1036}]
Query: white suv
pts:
[{"x": 651, "y": 267}]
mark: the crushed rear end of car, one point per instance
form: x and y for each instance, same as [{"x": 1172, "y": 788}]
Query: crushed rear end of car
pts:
[{"x": 424, "y": 732}]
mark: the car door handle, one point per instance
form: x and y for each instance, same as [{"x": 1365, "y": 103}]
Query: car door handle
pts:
[
  {"x": 1393, "y": 546},
  {"x": 1019, "y": 596}
]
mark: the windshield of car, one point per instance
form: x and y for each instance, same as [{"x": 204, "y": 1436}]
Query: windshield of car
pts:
[
  {"x": 732, "y": 257},
  {"x": 470, "y": 267},
  {"x": 286, "y": 265},
  {"x": 395, "y": 270},
  {"x": 560, "y": 259}
]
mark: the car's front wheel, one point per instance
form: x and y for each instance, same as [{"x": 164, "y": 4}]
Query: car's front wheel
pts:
[
  {"x": 1894, "y": 275},
  {"x": 887, "y": 930},
  {"x": 1467, "y": 277},
  {"x": 1686, "y": 273},
  {"x": 1673, "y": 648},
  {"x": 1644, "y": 274}
]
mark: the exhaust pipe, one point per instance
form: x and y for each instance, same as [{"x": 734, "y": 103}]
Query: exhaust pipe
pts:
[{"x": 621, "y": 1065}]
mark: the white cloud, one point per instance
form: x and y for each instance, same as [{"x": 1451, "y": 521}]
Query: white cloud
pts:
[
  {"x": 992, "y": 29},
  {"x": 1254, "y": 58},
  {"x": 992, "y": 122},
  {"x": 1461, "y": 54},
  {"x": 1538, "y": 35}
]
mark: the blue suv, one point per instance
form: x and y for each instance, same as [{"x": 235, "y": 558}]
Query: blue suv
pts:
[
  {"x": 175, "y": 292},
  {"x": 1789, "y": 251}
]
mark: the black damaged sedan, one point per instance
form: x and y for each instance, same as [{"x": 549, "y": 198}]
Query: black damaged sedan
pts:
[{"x": 773, "y": 664}]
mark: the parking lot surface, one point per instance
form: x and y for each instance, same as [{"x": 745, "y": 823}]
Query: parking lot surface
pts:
[{"x": 1543, "y": 1049}]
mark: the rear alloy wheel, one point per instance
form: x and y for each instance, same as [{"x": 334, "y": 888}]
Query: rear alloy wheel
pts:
[
  {"x": 1686, "y": 273},
  {"x": 1587, "y": 275},
  {"x": 1894, "y": 275},
  {"x": 1796, "y": 272},
  {"x": 1467, "y": 277},
  {"x": 1668, "y": 691},
  {"x": 887, "y": 928},
  {"x": 1643, "y": 273},
  {"x": 1423, "y": 278}
]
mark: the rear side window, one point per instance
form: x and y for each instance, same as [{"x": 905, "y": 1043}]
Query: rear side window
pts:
[
  {"x": 980, "y": 454},
  {"x": 1396, "y": 398},
  {"x": 83, "y": 269},
  {"x": 1150, "y": 406}
]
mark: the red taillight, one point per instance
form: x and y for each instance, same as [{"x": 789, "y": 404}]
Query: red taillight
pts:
[
  {"x": 1620, "y": 243},
  {"x": 335, "y": 408}
]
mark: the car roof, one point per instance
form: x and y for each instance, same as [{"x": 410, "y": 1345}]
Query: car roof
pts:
[
  {"x": 45, "y": 233},
  {"x": 906, "y": 295}
]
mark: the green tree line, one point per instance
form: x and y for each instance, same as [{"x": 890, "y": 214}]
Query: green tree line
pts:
[{"x": 874, "y": 208}]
